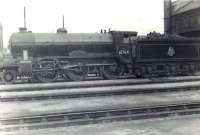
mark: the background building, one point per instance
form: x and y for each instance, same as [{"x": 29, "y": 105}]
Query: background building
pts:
[
  {"x": 1, "y": 37},
  {"x": 182, "y": 17}
]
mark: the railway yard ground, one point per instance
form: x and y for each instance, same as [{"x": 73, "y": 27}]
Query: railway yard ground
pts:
[{"x": 106, "y": 107}]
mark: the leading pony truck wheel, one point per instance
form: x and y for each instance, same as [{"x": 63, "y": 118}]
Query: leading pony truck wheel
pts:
[{"x": 9, "y": 76}]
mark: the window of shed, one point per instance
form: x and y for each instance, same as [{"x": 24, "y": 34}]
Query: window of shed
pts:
[{"x": 198, "y": 19}]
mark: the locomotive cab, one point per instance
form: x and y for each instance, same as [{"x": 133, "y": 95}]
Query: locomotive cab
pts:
[{"x": 122, "y": 41}]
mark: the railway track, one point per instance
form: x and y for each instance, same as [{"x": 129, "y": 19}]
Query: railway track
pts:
[
  {"x": 97, "y": 83},
  {"x": 98, "y": 116},
  {"x": 65, "y": 115},
  {"x": 99, "y": 91}
]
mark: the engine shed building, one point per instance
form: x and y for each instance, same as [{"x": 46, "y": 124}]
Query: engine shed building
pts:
[{"x": 182, "y": 17}]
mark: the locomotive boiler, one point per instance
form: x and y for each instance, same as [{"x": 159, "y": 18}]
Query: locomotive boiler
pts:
[{"x": 47, "y": 57}]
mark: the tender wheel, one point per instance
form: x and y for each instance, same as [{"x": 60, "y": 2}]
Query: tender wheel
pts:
[
  {"x": 9, "y": 76},
  {"x": 111, "y": 72},
  {"x": 76, "y": 73}
]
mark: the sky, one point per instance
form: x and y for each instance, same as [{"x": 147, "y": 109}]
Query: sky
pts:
[{"x": 82, "y": 16}]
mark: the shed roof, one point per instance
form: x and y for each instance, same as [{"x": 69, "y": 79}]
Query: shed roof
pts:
[{"x": 181, "y": 6}]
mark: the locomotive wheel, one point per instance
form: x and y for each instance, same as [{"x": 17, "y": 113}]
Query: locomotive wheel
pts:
[
  {"x": 110, "y": 72},
  {"x": 46, "y": 76},
  {"x": 9, "y": 76},
  {"x": 76, "y": 74}
]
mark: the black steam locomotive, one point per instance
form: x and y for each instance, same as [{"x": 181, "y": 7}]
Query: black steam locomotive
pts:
[{"x": 47, "y": 57}]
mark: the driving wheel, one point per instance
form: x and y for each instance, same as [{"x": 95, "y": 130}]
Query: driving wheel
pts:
[{"x": 76, "y": 73}]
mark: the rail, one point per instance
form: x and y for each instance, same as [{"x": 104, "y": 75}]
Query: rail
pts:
[
  {"x": 99, "y": 91},
  {"x": 98, "y": 116}
]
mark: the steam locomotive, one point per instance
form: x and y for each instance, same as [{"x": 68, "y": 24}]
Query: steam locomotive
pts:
[{"x": 47, "y": 57}]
